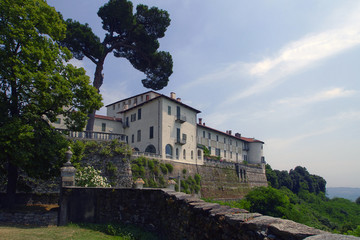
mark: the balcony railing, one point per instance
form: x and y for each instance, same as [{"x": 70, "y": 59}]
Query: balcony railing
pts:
[
  {"x": 181, "y": 141},
  {"x": 180, "y": 118},
  {"x": 146, "y": 154},
  {"x": 92, "y": 135}
]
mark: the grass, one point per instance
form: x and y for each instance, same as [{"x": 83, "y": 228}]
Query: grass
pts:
[{"x": 74, "y": 232}]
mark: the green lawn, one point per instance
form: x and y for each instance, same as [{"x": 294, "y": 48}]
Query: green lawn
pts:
[{"x": 74, "y": 232}]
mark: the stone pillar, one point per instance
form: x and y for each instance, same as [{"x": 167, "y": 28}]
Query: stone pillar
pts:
[
  {"x": 68, "y": 171},
  {"x": 171, "y": 184},
  {"x": 67, "y": 180}
]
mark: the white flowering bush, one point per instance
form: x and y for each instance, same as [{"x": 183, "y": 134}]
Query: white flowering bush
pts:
[{"x": 90, "y": 177}]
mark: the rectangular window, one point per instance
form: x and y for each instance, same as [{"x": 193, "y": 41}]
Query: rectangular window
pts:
[
  {"x": 103, "y": 127},
  {"x": 169, "y": 110},
  {"x": 209, "y": 150},
  {"x": 139, "y": 113},
  {"x": 114, "y": 107},
  {"x": 141, "y": 98},
  {"x": 217, "y": 152},
  {"x": 224, "y": 153},
  {"x": 133, "y": 117},
  {"x": 132, "y": 138},
  {"x": 139, "y": 135},
  {"x": 151, "y": 132},
  {"x": 203, "y": 134},
  {"x": 209, "y": 135},
  {"x": 217, "y": 138},
  {"x": 230, "y": 142},
  {"x": 225, "y": 140},
  {"x": 230, "y": 154}
]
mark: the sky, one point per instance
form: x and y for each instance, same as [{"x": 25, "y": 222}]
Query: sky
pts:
[{"x": 284, "y": 72}]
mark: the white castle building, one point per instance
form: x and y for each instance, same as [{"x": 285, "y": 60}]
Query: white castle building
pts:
[{"x": 163, "y": 126}]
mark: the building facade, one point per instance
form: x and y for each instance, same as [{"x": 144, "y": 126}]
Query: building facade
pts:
[{"x": 166, "y": 127}]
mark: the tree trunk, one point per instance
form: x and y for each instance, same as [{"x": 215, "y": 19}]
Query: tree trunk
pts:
[
  {"x": 11, "y": 185},
  {"x": 98, "y": 81}
]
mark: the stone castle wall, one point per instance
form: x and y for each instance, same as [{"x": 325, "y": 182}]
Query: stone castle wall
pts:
[{"x": 223, "y": 180}]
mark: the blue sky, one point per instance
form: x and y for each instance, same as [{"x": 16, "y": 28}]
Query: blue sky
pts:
[{"x": 285, "y": 72}]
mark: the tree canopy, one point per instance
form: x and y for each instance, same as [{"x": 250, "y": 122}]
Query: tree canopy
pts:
[
  {"x": 36, "y": 86},
  {"x": 129, "y": 35},
  {"x": 296, "y": 180}
]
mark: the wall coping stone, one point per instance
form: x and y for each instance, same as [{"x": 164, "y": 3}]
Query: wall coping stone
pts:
[{"x": 177, "y": 215}]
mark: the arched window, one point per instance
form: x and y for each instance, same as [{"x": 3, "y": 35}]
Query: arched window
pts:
[
  {"x": 199, "y": 154},
  {"x": 184, "y": 154},
  {"x": 168, "y": 151},
  {"x": 136, "y": 149},
  {"x": 177, "y": 153},
  {"x": 150, "y": 149}
]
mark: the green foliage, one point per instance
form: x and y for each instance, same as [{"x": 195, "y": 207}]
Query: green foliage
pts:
[
  {"x": 163, "y": 168},
  {"x": 151, "y": 164},
  {"x": 129, "y": 35},
  {"x": 355, "y": 232},
  {"x": 154, "y": 174},
  {"x": 206, "y": 152},
  {"x": 306, "y": 203},
  {"x": 296, "y": 180},
  {"x": 37, "y": 85},
  {"x": 268, "y": 201},
  {"x": 357, "y": 201},
  {"x": 169, "y": 167},
  {"x": 197, "y": 178},
  {"x": 190, "y": 185}
]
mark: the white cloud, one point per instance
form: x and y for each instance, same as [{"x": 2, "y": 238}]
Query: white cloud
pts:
[
  {"x": 318, "y": 97},
  {"x": 280, "y": 143}
]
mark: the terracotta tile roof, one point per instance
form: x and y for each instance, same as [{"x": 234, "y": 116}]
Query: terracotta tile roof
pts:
[
  {"x": 108, "y": 118},
  {"x": 230, "y": 135}
]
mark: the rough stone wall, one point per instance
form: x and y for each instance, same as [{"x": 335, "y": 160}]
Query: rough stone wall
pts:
[
  {"x": 116, "y": 169},
  {"x": 221, "y": 180},
  {"x": 177, "y": 216},
  {"x": 30, "y": 218}
]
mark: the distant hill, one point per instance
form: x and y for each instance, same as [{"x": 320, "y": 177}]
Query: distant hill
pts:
[{"x": 343, "y": 192}]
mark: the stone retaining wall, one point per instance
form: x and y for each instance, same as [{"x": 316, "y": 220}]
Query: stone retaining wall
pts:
[
  {"x": 49, "y": 218},
  {"x": 174, "y": 215}
]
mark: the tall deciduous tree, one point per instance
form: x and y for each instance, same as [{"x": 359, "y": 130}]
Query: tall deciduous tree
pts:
[
  {"x": 133, "y": 36},
  {"x": 36, "y": 85}
]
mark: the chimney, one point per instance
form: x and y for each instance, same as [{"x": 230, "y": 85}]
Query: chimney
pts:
[
  {"x": 126, "y": 107},
  {"x": 200, "y": 121},
  {"x": 238, "y": 135},
  {"x": 229, "y": 132},
  {"x": 178, "y": 99},
  {"x": 172, "y": 95},
  {"x": 204, "y": 124}
]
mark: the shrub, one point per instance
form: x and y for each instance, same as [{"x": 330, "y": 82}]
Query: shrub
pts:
[
  {"x": 163, "y": 168},
  {"x": 151, "y": 164},
  {"x": 197, "y": 178},
  {"x": 90, "y": 177},
  {"x": 169, "y": 167}
]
